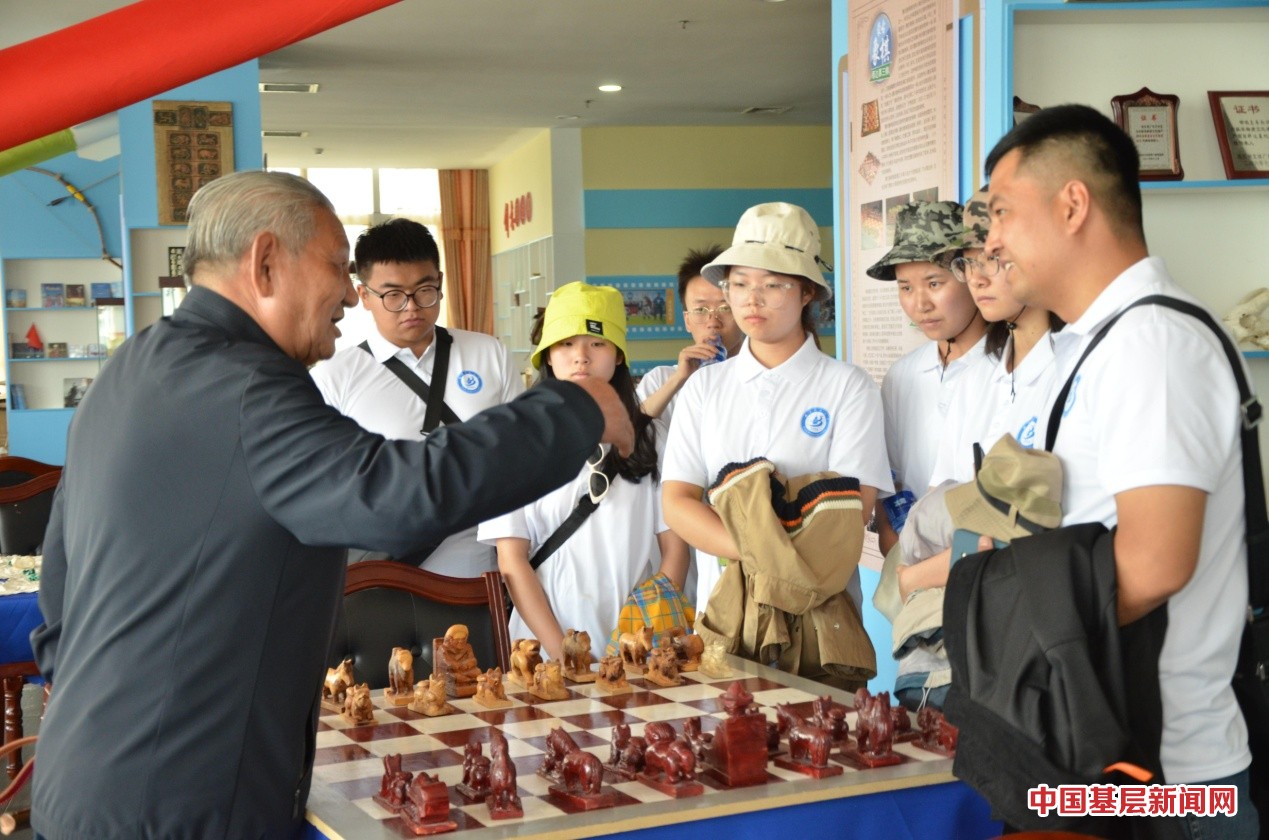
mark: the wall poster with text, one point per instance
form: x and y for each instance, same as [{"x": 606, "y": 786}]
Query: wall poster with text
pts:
[{"x": 899, "y": 115}]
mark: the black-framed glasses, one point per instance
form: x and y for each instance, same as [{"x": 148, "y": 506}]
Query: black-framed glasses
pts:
[
  {"x": 597, "y": 483},
  {"x": 701, "y": 314},
  {"x": 984, "y": 267},
  {"x": 395, "y": 300}
]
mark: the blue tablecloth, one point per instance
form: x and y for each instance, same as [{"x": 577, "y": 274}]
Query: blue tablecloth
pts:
[{"x": 19, "y": 615}]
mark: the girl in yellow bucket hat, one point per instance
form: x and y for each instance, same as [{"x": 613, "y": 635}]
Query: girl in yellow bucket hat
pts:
[{"x": 580, "y": 583}]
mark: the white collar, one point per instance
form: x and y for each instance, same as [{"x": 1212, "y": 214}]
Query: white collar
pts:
[{"x": 793, "y": 369}]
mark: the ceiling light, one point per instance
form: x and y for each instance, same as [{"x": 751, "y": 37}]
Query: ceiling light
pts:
[
  {"x": 288, "y": 87},
  {"x": 270, "y": 132},
  {"x": 610, "y": 88},
  {"x": 567, "y": 117}
]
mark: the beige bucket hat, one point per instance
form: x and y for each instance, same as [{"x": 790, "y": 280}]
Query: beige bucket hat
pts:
[
  {"x": 778, "y": 237},
  {"x": 1018, "y": 493}
]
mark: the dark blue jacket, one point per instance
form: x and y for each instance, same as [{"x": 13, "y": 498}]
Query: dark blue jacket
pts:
[{"x": 195, "y": 560}]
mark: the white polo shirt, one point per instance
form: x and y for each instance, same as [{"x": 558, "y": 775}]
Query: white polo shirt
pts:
[
  {"x": 990, "y": 401},
  {"x": 1156, "y": 403},
  {"x": 810, "y": 414},
  {"x": 480, "y": 376},
  {"x": 917, "y": 392},
  {"x": 588, "y": 578}
]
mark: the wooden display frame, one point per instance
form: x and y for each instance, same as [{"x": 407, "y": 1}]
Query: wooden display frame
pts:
[
  {"x": 1251, "y": 157},
  {"x": 1138, "y": 114}
]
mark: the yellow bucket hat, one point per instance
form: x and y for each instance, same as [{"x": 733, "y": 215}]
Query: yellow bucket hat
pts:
[{"x": 582, "y": 309}]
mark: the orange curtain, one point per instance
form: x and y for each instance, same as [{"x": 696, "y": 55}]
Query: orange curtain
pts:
[{"x": 468, "y": 268}]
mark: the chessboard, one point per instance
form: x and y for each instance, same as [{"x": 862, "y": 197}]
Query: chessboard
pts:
[{"x": 349, "y": 759}]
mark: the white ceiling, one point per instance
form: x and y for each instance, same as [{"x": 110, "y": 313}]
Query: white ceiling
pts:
[{"x": 462, "y": 83}]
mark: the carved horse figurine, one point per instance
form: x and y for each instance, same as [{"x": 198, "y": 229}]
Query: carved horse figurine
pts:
[
  {"x": 338, "y": 680},
  {"x": 807, "y": 743},
  {"x": 636, "y": 646}
]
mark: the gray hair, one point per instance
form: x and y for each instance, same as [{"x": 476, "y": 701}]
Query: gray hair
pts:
[{"x": 226, "y": 215}]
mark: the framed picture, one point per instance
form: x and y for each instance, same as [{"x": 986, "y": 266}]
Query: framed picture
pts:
[
  {"x": 1242, "y": 130},
  {"x": 653, "y": 309},
  {"x": 1149, "y": 118},
  {"x": 193, "y": 145}
]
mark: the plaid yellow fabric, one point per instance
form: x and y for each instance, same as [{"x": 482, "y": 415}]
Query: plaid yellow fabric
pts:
[{"x": 656, "y": 603}]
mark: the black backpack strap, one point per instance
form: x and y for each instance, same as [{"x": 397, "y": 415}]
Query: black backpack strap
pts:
[
  {"x": 1257, "y": 523},
  {"x": 584, "y": 508},
  {"x": 433, "y": 397}
]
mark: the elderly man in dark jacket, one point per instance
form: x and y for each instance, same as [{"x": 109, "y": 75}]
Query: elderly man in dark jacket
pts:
[{"x": 194, "y": 561}]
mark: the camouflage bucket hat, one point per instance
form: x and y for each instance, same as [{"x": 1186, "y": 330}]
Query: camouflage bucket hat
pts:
[
  {"x": 923, "y": 231},
  {"x": 977, "y": 221}
]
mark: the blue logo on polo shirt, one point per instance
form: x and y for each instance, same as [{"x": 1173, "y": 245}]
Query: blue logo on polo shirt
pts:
[
  {"x": 1026, "y": 434},
  {"x": 815, "y": 421},
  {"x": 1070, "y": 398},
  {"x": 470, "y": 382}
]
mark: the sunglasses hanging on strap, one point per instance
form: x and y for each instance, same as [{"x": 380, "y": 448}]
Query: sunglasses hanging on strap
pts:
[
  {"x": 602, "y": 472},
  {"x": 1251, "y": 675},
  {"x": 433, "y": 397}
]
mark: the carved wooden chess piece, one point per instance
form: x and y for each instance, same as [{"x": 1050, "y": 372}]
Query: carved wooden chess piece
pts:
[
  {"x": 429, "y": 698},
  {"x": 489, "y": 690},
  {"x": 669, "y": 765},
  {"x": 936, "y": 734},
  {"x": 626, "y": 758},
  {"x": 738, "y": 753},
  {"x": 504, "y": 799},
  {"x": 698, "y": 740},
  {"x": 612, "y": 675},
  {"x": 475, "y": 784},
  {"x": 335, "y": 687},
  {"x": 663, "y": 665},
  {"x": 902, "y": 724},
  {"x": 634, "y": 649},
  {"x": 688, "y": 648},
  {"x": 577, "y": 657},
  {"x": 525, "y": 656},
  {"x": 400, "y": 691},
  {"x": 426, "y": 810},
  {"x": 809, "y": 746},
  {"x": 452, "y": 658},
  {"x": 830, "y": 717},
  {"x": 874, "y": 731},
  {"x": 548, "y": 682},
  {"x": 714, "y": 661},
  {"x": 579, "y": 774},
  {"x": 358, "y": 708},
  {"x": 394, "y": 784}
]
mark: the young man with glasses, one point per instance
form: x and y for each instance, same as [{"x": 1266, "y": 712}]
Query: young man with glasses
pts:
[
  {"x": 376, "y": 383},
  {"x": 710, "y": 323}
]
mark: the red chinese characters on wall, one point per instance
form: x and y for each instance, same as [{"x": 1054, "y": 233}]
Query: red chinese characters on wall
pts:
[{"x": 516, "y": 212}]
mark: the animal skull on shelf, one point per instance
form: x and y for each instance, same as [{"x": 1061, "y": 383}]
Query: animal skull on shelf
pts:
[{"x": 1246, "y": 321}]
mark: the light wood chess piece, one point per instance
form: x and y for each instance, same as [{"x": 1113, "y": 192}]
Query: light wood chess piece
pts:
[
  {"x": 335, "y": 686},
  {"x": 612, "y": 676},
  {"x": 634, "y": 649},
  {"x": 714, "y": 661},
  {"x": 358, "y": 708},
  {"x": 526, "y": 654},
  {"x": 489, "y": 690},
  {"x": 663, "y": 665},
  {"x": 429, "y": 698},
  {"x": 577, "y": 657},
  {"x": 400, "y": 690},
  {"x": 453, "y": 659},
  {"x": 548, "y": 682}
]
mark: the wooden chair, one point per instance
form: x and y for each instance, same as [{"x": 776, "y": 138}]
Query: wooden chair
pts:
[
  {"x": 389, "y": 604},
  {"x": 15, "y": 470},
  {"x": 24, "y": 514}
]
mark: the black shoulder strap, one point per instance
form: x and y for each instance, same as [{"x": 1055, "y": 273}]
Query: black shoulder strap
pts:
[
  {"x": 433, "y": 397},
  {"x": 1250, "y": 410},
  {"x": 584, "y": 508}
]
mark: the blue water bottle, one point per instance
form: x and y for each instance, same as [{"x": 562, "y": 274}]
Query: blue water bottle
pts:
[
  {"x": 720, "y": 351},
  {"x": 897, "y": 506}
]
